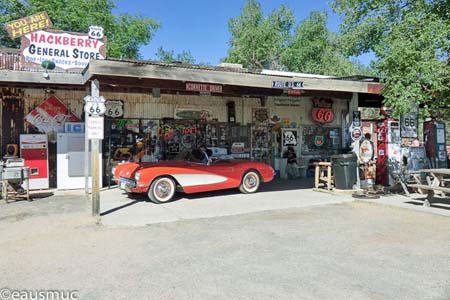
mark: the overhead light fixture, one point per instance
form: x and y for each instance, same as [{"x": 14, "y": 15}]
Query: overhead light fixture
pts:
[{"x": 47, "y": 65}]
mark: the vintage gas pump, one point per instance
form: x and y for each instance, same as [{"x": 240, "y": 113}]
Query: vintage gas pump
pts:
[
  {"x": 388, "y": 144},
  {"x": 434, "y": 138}
]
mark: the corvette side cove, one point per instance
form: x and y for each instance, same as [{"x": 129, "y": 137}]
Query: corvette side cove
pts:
[{"x": 161, "y": 180}]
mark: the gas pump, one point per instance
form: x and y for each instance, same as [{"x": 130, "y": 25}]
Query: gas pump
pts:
[
  {"x": 434, "y": 137},
  {"x": 289, "y": 138},
  {"x": 388, "y": 144}
]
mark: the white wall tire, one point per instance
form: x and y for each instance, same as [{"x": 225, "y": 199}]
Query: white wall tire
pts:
[
  {"x": 250, "y": 183},
  {"x": 161, "y": 190}
]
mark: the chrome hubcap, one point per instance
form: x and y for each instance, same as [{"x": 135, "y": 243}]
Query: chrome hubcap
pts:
[
  {"x": 163, "y": 189},
  {"x": 250, "y": 181}
]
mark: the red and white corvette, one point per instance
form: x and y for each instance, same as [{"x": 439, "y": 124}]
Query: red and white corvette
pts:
[{"x": 162, "y": 179}]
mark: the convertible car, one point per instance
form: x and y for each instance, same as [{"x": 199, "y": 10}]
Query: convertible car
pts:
[{"x": 161, "y": 180}]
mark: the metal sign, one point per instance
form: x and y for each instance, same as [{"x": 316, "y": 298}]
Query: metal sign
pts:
[
  {"x": 96, "y": 32},
  {"x": 95, "y": 128},
  {"x": 356, "y": 134},
  {"x": 408, "y": 127},
  {"x": 95, "y": 108},
  {"x": 290, "y": 138},
  {"x": 287, "y": 84},
  {"x": 114, "y": 108},
  {"x": 94, "y": 105},
  {"x": 356, "y": 120}
]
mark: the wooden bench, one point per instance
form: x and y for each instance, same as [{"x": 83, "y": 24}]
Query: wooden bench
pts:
[{"x": 430, "y": 191}]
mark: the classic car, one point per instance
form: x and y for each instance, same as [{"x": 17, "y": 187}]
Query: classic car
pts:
[{"x": 161, "y": 180}]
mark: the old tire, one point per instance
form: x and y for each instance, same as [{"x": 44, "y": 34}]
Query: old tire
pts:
[
  {"x": 250, "y": 183},
  {"x": 161, "y": 190}
]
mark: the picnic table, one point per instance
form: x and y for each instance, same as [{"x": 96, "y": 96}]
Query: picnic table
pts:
[{"x": 436, "y": 183}]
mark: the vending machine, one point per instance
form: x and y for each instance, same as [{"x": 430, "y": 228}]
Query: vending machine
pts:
[
  {"x": 34, "y": 149},
  {"x": 388, "y": 148},
  {"x": 435, "y": 144}
]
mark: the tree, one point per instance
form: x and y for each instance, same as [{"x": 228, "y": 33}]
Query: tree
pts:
[
  {"x": 313, "y": 49},
  {"x": 125, "y": 33},
  {"x": 168, "y": 56},
  {"x": 258, "y": 41},
  {"x": 411, "y": 40}
]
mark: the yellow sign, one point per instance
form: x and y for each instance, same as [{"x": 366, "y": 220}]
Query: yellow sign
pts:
[{"x": 28, "y": 24}]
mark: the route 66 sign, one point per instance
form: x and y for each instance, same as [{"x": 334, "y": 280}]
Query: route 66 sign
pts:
[
  {"x": 95, "y": 32},
  {"x": 290, "y": 138},
  {"x": 114, "y": 108},
  {"x": 95, "y": 108}
]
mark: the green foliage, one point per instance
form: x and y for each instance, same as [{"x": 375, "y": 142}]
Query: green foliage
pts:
[
  {"x": 272, "y": 43},
  {"x": 313, "y": 49},
  {"x": 168, "y": 56},
  {"x": 412, "y": 42},
  {"x": 258, "y": 41},
  {"x": 125, "y": 33}
]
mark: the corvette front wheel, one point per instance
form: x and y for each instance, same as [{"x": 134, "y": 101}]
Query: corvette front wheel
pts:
[
  {"x": 161, "y": 190},
  {"x": 250, "y": 183}
]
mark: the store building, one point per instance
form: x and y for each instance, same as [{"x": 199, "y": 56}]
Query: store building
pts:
[{"x": 156, "y": 110}]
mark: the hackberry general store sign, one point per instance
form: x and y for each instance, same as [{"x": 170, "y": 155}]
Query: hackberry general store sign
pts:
[{"x": 68, "y": 50}]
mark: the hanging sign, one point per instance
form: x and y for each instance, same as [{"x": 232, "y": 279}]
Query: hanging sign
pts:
[
  {"x": 408, "y": 127},
  {"x": 28, "y": 24}
]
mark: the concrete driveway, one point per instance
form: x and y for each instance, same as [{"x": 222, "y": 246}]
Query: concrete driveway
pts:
[{"x": 119, "y": 209}]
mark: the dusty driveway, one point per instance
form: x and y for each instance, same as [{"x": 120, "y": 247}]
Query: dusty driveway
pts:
[{"x": 351, "y": 250}]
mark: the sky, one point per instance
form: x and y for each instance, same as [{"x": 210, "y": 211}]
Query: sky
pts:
[{"x": 201, "y": 26}]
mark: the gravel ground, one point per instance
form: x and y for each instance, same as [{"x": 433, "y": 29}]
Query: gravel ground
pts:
[{"x": 348, "y": 251}]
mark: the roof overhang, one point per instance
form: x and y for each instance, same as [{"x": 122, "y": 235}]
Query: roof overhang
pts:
[
  {"x": 36, "y": 78},
  {"x": 110, "y": 70}
]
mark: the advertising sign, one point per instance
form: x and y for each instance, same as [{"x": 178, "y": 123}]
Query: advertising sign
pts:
[
  {"x": 28, "y": 24},
  {"x": 68, "y": 50},
  {"x": 50, "y": 116}
]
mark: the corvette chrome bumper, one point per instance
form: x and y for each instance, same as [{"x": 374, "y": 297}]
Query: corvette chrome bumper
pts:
[{"x": 126, "y": 184}]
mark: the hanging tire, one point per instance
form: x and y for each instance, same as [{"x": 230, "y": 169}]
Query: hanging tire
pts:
[
  {"x": 250, "y": 182},
  {"x": 161, "y": 190}
]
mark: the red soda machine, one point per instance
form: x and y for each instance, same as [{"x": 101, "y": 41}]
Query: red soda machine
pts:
[
  {"x": 34, "y": 149},
  {"x": 435, "y": 142},
  {"x": 388, "y": 147}
]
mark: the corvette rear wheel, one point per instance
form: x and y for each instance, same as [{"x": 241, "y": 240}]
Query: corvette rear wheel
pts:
[
  {"x": 250, "y": 183},
  {"x": 161, "y": 190}
]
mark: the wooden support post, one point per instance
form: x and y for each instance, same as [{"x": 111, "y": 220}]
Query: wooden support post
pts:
[{"x": 95, "y": 163}]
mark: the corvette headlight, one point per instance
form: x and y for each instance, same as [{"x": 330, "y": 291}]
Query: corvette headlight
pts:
[
  {"x": 113, "y": 171},
  {"x": 137, "y": 176}
]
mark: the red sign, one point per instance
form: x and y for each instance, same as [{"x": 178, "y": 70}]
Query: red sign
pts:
[
  {"x": 295, "y": 92},
  {"x": 322, "y": 115},
  {"x": 50, "y": 116},
  {"x": 200, "y": 87}
]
